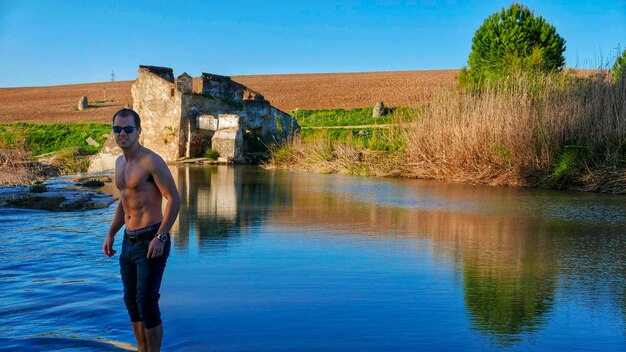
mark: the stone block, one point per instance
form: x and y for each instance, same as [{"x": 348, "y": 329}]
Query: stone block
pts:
[
  {"x": 92, "y": 142},
  {"x": 207, "y": 122},
  {"x": 379, "y": 109},
  {"x": 228, "y": 143},
  {"x": 83, "y": 103},
  {"x": 227, "y": 121}
]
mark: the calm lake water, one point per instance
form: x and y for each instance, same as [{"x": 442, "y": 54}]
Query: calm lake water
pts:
[{"x": 267, "y": 260}]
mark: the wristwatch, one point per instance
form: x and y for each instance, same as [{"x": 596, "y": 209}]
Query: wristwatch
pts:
[{"x": 163, "y": 237}]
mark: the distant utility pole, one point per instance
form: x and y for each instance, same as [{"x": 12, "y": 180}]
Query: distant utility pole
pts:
[{"x": 112, "y": 76}]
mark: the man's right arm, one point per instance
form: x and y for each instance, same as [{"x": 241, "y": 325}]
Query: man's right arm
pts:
[{"x": 116, "y": 225}]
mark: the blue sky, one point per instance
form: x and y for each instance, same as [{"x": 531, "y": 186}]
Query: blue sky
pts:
[{"x": 65, "y": 42}]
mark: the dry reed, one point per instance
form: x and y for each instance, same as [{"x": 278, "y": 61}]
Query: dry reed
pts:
[
  {"x": 553, "y": 131},
  {"x": 326, "y": 156},
  {"x": 16, "y": 167},
  {"x": 550, "y": 131}
]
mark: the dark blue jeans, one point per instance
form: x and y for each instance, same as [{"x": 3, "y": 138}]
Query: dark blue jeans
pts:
[{"x": 142, "y": 277}]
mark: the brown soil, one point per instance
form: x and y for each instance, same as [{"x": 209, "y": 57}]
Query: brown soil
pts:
[{"x": 57, "y": 104}]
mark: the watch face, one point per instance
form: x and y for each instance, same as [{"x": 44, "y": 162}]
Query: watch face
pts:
[{"x": 163, "y": 237}]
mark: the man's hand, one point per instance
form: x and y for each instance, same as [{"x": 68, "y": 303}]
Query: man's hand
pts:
[
  {"x": 107, "y": 247},
  {"x": 155, "y": 248}
]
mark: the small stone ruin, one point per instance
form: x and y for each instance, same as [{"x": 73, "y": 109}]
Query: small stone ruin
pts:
[{"x": 185, "y": 116}]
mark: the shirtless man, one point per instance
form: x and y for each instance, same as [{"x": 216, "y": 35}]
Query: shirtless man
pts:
[{"x": 143, "y": 180}]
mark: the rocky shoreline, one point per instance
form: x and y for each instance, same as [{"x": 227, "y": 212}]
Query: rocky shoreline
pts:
[{"x": 64, "y": 193}]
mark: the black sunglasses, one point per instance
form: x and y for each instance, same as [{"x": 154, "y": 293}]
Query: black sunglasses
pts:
[{"x": 127, "y": 129}]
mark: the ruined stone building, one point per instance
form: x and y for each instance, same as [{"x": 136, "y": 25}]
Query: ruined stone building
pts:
[{"x": 185, "y": 116}]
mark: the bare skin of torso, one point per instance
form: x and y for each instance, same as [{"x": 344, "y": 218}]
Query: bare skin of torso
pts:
[
  {"x": 144, "y": 180},
  {"x": 139, "y": 194}
]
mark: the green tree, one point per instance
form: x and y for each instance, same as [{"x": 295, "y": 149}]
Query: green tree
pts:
[
  {"x": 512, "y": 40},
  {"x": 619, "y": 68}
]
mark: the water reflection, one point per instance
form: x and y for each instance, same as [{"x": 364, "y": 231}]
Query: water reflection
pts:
[
  {"x": 221, "y": 203},
  {"x": 515, "y": 250},
  {"x": 509, "y": 287}
]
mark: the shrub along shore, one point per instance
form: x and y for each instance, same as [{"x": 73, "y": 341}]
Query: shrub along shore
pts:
[{"x": 548, "y": 131}]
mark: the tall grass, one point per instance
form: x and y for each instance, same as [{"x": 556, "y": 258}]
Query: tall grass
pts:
[
  {"x": 378, "y": 139},
  {"x": 552, "y": 131},
  {"x": 326, "y": 156}
]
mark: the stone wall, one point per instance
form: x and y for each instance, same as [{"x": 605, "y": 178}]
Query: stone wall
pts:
[
  {"x": 221, "y": 87},
  {"x": 159, "y": 103}
]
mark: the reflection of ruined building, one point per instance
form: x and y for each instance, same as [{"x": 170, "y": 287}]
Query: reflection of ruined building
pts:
[
  {"x": 219, "y": 203},
  {"x": 185, "y": 116}
]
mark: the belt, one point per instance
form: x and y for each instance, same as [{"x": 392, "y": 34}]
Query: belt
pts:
[
  {"x": 145, "y": 233},
  {"x": 140, "y": 237}
]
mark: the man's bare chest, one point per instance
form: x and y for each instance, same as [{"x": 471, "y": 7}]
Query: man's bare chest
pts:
[{"x": 130, "y": 177}]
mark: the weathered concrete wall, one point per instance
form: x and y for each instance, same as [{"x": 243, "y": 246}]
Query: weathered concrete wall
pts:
[
  {"x": 158, "y": 103},
  {"x": 228, "y": 138},
  {"x": 184, "y": 83},
  {"x": 216, "y": 86},
  {"x": 105, "y": 160}
]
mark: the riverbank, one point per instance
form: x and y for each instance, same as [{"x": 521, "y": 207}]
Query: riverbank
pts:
[{"x": 557, "y": 131}]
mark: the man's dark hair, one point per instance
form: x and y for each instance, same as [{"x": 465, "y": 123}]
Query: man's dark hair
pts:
[{"x": 128, "y": 112}]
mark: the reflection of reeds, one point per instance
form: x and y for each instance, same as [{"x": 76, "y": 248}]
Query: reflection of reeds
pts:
[{"x": 509, "y": 272}]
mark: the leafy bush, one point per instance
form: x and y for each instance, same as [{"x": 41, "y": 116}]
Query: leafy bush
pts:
[
  {"x": 569, "y": 164},
  {"x": 211, "y": 154},
  {"x": 619, "y": 68},
  {"x": 513, "y": 40}
]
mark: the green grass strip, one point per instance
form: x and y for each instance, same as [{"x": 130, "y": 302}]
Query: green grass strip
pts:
[
  {"x": 46, "y": 138},
  {"x": 338, "y": 117}
]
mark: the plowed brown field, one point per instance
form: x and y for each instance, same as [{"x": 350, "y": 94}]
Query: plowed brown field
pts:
[{"x": 57, "y": 104}]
